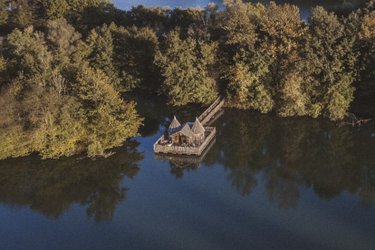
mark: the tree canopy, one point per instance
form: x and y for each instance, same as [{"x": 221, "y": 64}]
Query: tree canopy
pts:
[{"x": 56, "y": 104}]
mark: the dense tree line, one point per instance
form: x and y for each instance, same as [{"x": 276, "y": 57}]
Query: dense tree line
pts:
[
  {"x": 57, "y": 97},
  {"x": 65, "y": 65}
]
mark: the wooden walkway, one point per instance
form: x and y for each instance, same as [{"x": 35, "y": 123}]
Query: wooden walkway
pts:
[
  {"x": 208, "y": 115},
  {"x": 211, "y": 111}
]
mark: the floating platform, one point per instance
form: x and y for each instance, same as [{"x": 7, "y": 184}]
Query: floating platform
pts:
[
  {"x": 185, "y": 160},
  {"x": 185, "y": 150},
  {"x": 192, "y": 134}
]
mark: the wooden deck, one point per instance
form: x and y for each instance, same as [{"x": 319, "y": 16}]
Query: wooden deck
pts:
[
  {"x": 208, "y": 115},
  {"x": 185, "y": 160},
  {"x": 186, "y": 150}
]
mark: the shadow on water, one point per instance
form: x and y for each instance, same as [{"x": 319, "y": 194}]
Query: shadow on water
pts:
[
  {"x": 52, "y": 186},
  {"x": 288, "y": 155}
]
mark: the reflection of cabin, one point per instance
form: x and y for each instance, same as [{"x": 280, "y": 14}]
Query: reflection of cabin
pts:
[{"x": 191, "y": 134}]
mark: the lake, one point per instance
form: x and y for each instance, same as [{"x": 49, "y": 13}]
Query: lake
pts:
[
  {"x": 266, "y": 183},
  {"x": 305, "y": 5}
]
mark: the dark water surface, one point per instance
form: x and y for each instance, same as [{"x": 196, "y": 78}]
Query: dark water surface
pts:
[{"x": 267, "y": 183}]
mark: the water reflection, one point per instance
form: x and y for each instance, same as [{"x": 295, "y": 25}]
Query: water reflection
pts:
[
  {"x": 180, "y": 164},
  {"x": 283, "y": 156},
  {"x": 291, "y": 154},
  {"x": 288, "y": 155},
  {"x": 341, "y": 6},
  {"x": 51, "y": 187},
  {"x": 202, "y": 3}
]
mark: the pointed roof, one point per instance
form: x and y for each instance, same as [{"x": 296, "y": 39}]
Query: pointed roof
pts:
[
  {"x": 198, "y": 127},
  {"x": 186, "y": 130},
  {"x": 174, "y": 124}
]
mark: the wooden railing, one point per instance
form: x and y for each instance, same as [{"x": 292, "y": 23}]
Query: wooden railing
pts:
[
  {"x": 210, "y": 112},
  {"x": 186, "y": 150},
  {"x": 182, "y": 160}
]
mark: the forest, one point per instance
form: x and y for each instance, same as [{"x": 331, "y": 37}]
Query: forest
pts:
[{"x": 67, "y": 67}]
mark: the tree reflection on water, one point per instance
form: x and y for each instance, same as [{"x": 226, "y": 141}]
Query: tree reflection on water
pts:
[
  {"x": 285, "y": 156},
  {"x": 52, "y": 186},
  {"x": 296, "y": 153},
  {"x": 288, "y": 155}
]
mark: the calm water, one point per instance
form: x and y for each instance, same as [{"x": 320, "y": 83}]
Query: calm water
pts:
[
  {"x": 305, "y": 5},
  {"x": 266, "y": 183}
]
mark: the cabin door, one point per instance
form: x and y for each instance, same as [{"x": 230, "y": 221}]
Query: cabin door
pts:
[
  {"x": 183, "y": 140},
  {"x": 176, "y": 139}
]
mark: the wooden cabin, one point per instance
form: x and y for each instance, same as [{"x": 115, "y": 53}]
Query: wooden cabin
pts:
[
  {"x": 190, "y": 134},
  {"x": 190, "y": 138}
]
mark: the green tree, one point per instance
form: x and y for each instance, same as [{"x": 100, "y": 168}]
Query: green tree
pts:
[
  {"x": 331, "y": 60},
  {"x": 54, "y": 9},
  {"x": 293, "y": 98},
  {"x": 185, "y": 65},
  {"x": 101, "y": 44},
  {"x": 246, "y": 68},
  {"x": 58, "y": 126},
  {"x": 86, "y": 15},
  {"x": 367, "y": 45},
  {"x": 57, "y": 105},
  {"x": 126, "y": 55},
  {"x": 156, "y": 18},
  {"x": 63, "y": 42},
  {"x": 21, "y": 13},
  {"x": 3, "y": 12},
  {"x": 31, "y": 60},
  {"x": 15, "y": 140},
  {"x": 110, "y": 120},
  {"x": 281, "y": 32},
  {"x": 3, "y": 71},
  {"x": 135, "y": 51},
  {"x": 262, "y": 47}
]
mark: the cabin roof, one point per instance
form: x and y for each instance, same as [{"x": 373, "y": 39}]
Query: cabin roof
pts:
[
  {"x": 197, "y": 127},
  {"x": 186, "y": 130},
  {"x": 175, "y": 123}
]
